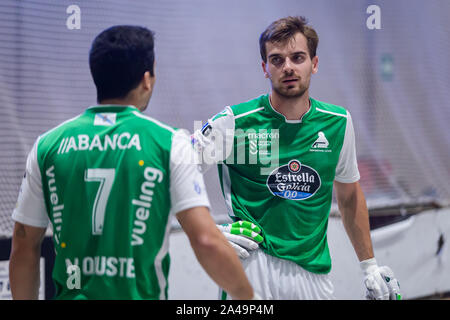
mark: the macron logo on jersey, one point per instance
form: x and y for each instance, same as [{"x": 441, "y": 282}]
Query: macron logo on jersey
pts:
[{"x": 105, "y": 119}]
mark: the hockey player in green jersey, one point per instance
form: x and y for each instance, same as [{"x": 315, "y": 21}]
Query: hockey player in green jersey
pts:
[
  {"x": 110, "y": 182},
  {"x": 282, "y": 153}
]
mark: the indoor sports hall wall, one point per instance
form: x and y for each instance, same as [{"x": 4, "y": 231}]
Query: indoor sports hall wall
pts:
[{"x": 387, "y": 65}]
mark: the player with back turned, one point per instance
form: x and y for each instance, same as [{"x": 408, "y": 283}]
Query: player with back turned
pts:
[
  {"x": 279, "y": 157},
  {"x": 110, "y": 182}
]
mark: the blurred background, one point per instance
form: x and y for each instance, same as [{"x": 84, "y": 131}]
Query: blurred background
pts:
[{"x": 389, "y": 67}]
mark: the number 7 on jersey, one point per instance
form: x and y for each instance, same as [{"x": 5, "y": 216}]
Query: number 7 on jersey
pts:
[{"x": 106, "y": 179}]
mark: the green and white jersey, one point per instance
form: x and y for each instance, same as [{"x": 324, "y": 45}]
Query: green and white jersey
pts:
[
  {"x": 279, "y": 173},
  {"x": 110, "y": 181}
]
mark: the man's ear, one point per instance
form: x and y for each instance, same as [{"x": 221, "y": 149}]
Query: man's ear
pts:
[
  {"x": 315, "y": 64},
  {"x": 264, "y": 67},
  {"x": 147, "y": 80}
]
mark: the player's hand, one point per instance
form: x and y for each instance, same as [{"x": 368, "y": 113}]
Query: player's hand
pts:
[
  {"x": 243, "y": 236},
  {"x": 380, "y": 282}
]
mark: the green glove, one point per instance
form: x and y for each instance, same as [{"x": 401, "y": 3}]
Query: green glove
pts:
[
  {"x": 247, "y": 229},
  {"x": 242, "y": 235}
]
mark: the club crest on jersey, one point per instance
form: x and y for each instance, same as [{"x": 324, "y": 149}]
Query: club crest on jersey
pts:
[{"x": 294, "y": 181}]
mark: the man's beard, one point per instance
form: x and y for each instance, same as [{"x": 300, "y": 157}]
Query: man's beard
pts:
[{"x": 289, "y": 93}]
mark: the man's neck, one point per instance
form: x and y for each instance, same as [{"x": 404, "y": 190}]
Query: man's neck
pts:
[
  {"x": 121, "y": 102},
  {"x": 290, "y": 108}
]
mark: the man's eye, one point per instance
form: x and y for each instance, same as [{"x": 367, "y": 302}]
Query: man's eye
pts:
[
  {"x": 276, "y": 60},
  {"x": 298, "y": 58}
]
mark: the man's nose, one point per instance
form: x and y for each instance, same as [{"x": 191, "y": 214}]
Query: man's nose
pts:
[{"x": 288, "y": 66}]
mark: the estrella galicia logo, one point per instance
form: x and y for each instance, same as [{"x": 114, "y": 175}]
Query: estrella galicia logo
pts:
[{"x": 294, "y": 181}]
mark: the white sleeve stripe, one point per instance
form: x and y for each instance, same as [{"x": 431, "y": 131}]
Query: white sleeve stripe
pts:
[
  {"x": 333, "y": 113},
  {"x": 162, "y": 125},
  {"x": 226, "y": 184},
  {"x": 61, "y": 124},
  {"x": 159, "y": 259},
  {"x": 248, "y": 112}
]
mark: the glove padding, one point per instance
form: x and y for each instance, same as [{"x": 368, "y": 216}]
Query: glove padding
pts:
[
  {"x": 380, "y": 282},
  {"x": 243, "y": 236}
]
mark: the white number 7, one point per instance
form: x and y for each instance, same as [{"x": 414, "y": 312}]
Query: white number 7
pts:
[{"x": 106, "y": 179}]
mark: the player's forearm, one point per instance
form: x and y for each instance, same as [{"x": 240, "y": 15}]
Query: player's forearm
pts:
[
  {"x": 222, "y": 264},
  {"x": 355, "y": 218},
  {"x": 24, "y": 274},
  {"x": 359, "y": 233}
]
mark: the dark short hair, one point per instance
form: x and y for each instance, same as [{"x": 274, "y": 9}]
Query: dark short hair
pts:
[
  {"x": 284, "y": 29},
  {"x": 118, "y": 59}
]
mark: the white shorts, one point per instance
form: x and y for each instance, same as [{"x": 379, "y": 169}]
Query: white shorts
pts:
[{"x": 279, "y": 279}]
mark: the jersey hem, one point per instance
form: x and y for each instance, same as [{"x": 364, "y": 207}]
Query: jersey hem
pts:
[
  {"x": 21, "y": 218},
  {"x": 347, "y": 180},
  {"x": 188, "y": 205}
]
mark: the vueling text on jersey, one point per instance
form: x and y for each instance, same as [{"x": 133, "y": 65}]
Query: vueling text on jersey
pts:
[
  {"x": 143, "y": 204},
  {"x": 83, "y": 142},
  {"x": 57, "y": 206}
]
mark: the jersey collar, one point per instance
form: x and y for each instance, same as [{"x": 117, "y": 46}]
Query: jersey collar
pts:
[
  {"x": 112, "y": 108},
  {"x": 268, "y": 106}
]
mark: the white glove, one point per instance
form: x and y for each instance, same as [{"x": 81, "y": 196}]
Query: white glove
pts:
[
  {"x": 243, "y": 236},
  {"x": 379, "y": 281}
]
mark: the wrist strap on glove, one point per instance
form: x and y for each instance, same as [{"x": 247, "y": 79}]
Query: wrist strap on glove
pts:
[{"x": 368, "y": 265}]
